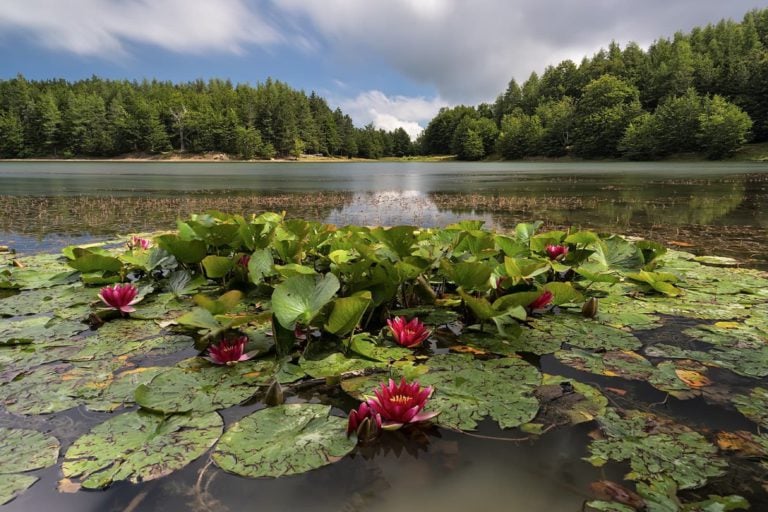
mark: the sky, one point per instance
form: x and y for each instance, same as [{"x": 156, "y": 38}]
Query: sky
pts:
[{"x": 394, "y": 63}]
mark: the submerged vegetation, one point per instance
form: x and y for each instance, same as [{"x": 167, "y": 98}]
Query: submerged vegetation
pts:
[{"x": 441, "y": 327}]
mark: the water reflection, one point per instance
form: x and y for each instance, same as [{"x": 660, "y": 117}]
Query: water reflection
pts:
[{"x": 705, "y": 207}]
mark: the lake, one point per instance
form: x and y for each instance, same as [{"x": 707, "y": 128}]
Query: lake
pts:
[{"x": 707, "y": 208}]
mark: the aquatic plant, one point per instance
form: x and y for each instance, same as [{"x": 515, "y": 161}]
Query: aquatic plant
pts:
[
  {"x": 408, "y": 334},
  {"x": 401, "y": 404},
  {"x": 542, "y": 301},
  {"x": 137, "y": 242},
  {"x": 364, "y": 422},
  {"x": 121, "y": 297},
  {"x": 557, "y": 252},
  {"x": 228, "y": 351}
]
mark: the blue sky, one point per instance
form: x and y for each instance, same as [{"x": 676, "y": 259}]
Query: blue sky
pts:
[{"x": 390, "y": 62}]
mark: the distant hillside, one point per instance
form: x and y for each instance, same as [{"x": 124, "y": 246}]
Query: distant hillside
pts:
[{"x": 705, "y": 91}]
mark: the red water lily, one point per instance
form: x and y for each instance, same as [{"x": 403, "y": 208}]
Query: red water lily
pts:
[
  {"x": 139, "y": 243},
  {"x": 557, "y": 252},
  {"x": 364, "y": 422},
  {"x": 408, "y": 334},
  {"x": 401, "y": 404},
  {"x": 121, "y": 297},
  {"x": 541, "y": 301},
  {"x": 243, "y": 260},
  {"x": 229, "y": 352}
]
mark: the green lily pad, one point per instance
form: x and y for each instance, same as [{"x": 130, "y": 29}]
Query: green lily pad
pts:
[
  {"x": 13, "y": 485},
  {"x": 754, "y": 406},
  {"x": 120, "y": 392},
  {"x": 283, "y": 440},
  {"x": 656, "y": 451},
  {"x": 582, "y": 333},
  {"x": 139, "y": 446},
  {"x": 615, "y": 363},
  {"x": 204, "y": 388},
  {"x": 37, "y": 330},
  {"x": 749, "y": 362},
  {"x": 56, "y": 387},
  {"x": 35, "y": 302},
  {"x": 26, "y": 450},
  {"x": 129, "y": 338},
  {"x": 323, "y": 359},
  {"x": 510, "y": 345}
]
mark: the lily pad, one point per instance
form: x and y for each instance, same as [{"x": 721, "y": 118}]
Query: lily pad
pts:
[
  {"x": 56, "y": 387},
  {"x": 203, "y": 388},
  {"x": 13, "y": 485},
  {"x": 582, "y": 333},
  {"x": 656, "y": 451},
  {"x": 615, "y": 363},
  {"x": 754, "y": 406},
  {"x": 139, "y": 446},
  {"x": 323, "y": 360},
  {"x": 511, "y": 345},
  {"x": 283, "y": 440},
  {"x": 37, "y": 330},
  {"x": 26, "y": 450}
]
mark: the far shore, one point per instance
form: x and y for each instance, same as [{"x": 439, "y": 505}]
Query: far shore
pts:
[{"x": 749, "y": 153}]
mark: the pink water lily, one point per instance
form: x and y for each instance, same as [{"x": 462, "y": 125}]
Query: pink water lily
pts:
[
  {"x": 408, "y": 334},
  {"x": 228, "y": 352},
  {"x": 364, "y": 422},
  {"x": 121, "y": 297},
  {"x": 557, "y": 252},
  {"x": 139, "y": 243},
  {"x": 401, "y": 404},
  {"x": 541, "y": 301}
]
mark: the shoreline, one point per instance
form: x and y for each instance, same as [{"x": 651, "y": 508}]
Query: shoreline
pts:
[{"x": 756, "y": 152}]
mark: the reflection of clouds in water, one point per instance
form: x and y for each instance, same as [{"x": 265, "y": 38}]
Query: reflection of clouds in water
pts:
[{"x": 391, "y": 208}]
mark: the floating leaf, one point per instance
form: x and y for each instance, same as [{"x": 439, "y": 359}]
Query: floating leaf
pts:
[
  {"x": 203, "y": 388},
  {"x": 283, "y": 440},
  {"x": 754, "y": 406},
  {"x": 26, "y": 450},
  {"x": 217, "y": 266},
  {"x": 676, "y": 453},
  {"x": 139, "y": 446}
]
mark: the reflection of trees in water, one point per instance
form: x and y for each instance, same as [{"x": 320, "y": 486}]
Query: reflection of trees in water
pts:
[
  {"x": 718, "y": 216},
  {"x": 107, "y": 215}
]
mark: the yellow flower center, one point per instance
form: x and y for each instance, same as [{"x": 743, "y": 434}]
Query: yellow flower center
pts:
[{"x": 400, "y": 399}]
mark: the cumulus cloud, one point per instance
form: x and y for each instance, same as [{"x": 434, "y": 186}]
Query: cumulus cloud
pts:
[
  {"x": 103, "y": 27},
  {"x": 390, "y": 113},
  {"x": 469, "y": 50}
]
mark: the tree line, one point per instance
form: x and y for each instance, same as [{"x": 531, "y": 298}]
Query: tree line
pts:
[
  {"x": 102, "y": 118},
  {"x": 705, "y": 91}
]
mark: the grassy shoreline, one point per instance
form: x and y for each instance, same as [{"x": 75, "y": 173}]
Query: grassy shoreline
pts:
[{"x": 749, "y": 153}]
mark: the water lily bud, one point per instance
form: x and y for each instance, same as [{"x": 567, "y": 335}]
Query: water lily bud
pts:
[
  {"x": 589, "y": 309},
  {"x": 274, "y": 395}
]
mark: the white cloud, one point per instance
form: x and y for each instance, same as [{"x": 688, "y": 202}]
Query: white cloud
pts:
[
  {"x": 103, "y": 27},
  {"x": 469, "y": 50},
  {"x": 389, "y": 113}
]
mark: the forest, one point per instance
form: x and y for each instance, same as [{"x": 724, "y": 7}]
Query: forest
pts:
[
  {"x": 103, "y": 118},
  {"x": 703, "y": 92}
]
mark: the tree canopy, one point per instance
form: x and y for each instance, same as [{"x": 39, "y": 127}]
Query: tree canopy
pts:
[
  {"x": 704, "y": 91},
  {"x": 98, "y": 117}
]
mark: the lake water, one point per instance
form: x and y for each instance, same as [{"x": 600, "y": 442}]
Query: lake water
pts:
[
  {"x": 712, "y": 208},
  {"x": 705, "y": 206}
]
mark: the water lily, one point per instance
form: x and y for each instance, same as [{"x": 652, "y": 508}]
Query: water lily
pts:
[
  {"x": 243, "y": 260},
  {"x": 408, "y": 334},
  {"x": 121, "y": 297},
  {"x": 364, "y": 422},
  {"x": 139, "y": 243},
  {"x": 229, "y": 352},
  {"x": 557, "y": 252},
  {"x": 541, "y": 301},
  {"x": 401, "y": 404}
]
